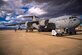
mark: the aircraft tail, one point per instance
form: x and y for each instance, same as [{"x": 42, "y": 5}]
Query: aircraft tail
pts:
[{"x": 34, "y": 18}]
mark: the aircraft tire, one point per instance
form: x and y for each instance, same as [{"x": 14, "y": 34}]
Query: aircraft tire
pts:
[
  {"x": 39, "y": 30},
  {"x": 58, "y": 34},
  {"x": 70, "y": 33},
  {"x": 74, "y": 33},
  {"x": 30, "y": 29},
  {"x": 26, "y": 30}
]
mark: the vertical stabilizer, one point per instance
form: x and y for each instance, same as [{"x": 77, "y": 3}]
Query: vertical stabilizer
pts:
[{"x": 34, "y": 18}]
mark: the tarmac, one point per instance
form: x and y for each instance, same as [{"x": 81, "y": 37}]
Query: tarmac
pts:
[{"x": 39, "y": 43}]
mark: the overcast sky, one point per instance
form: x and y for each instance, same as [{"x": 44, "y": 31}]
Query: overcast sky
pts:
[
  {"x": 59, "y": 7},
  {"x": 49, "y": 8},
  {"x": 42, "y": 8}
]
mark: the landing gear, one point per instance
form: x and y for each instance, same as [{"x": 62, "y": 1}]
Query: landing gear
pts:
[
  {"x": 71, "y": 31},
  {"x": 29, "y": 30},
  {"x": 26, "y": 30},
  {"x": 39, "y": 30},
  {"x": 58, "y": 34}
]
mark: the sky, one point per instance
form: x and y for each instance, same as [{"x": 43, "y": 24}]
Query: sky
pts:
[{"x": 10, "y": 9}]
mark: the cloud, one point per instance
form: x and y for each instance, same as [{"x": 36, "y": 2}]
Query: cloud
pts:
[
  {"x": 8, "y": 18},
  {"x": 2, "y": 23},
  {"x": 1, "y": 26},
  {"x": 36, "y": 11},
  {"x": 46, "y": 8},
  {"x": 59, "y": 7},
  {"x": 1, "y": 2},
  {"x": 5, "y": 0},
  {"x": 36, "y": 8}
]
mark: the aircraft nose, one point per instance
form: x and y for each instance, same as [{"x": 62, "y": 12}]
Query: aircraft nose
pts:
[{"x": 80, "y": 17}]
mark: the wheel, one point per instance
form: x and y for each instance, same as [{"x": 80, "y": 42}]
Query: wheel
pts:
[
  {"x": 58, "y": 34},
  {"x": 39, "y": 30},
  {"x": 53, "y": 35},
  {"x": 31, "y": 30},
  {"x": 74, "y": 33},
  {"x": 69, "y": 33},
  {"x": 26, "y": 30}
]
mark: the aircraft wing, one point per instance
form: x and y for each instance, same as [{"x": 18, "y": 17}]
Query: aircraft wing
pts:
[
  {"x": 13, "y": 24},
  {"x": 22, "y": 23}
]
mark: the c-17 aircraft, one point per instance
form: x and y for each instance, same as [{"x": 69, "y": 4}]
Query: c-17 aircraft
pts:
[{"x": 63, "y": 24}]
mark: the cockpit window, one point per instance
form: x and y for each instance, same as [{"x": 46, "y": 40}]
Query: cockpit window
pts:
[{"x": 72, "y": 17}]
